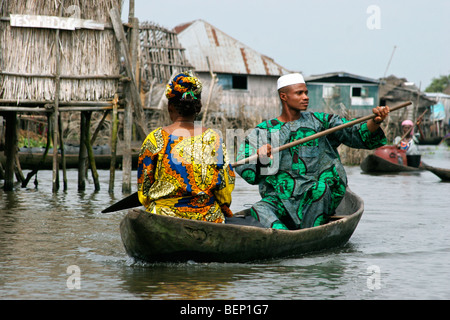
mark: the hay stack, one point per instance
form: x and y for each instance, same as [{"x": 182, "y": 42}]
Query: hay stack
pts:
[{"x": 28, "y": 59}]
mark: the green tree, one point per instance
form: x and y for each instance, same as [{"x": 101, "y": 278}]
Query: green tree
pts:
[{"x": 438, "y": 84}]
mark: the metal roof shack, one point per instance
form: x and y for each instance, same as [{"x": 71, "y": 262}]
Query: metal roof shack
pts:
[
  {"x": 226, "y": 54},
  {"x": 244, "y": 80}
]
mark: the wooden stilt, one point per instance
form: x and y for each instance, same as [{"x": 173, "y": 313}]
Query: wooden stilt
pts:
[
  {"x": 82, "y": 155},
  {"x": 2, "y": 172},
  {"x": 115, "y": 125},
  {"x": 55, "y": 182},
  {"x": 18, "y": 169},
  {"x": 54, "y": 139},
  {"x": 10, "y": 149},
  {"x": 87, "y": 141},
  {"x": 63, "y": 154}
]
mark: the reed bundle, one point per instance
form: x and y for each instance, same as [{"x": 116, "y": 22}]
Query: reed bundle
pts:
[{"x": 28, "y": 55}]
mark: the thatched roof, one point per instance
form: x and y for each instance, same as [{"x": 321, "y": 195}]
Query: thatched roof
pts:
[
  {"x": 399, "y": 89},
  {"x": 89, "y": 63}
]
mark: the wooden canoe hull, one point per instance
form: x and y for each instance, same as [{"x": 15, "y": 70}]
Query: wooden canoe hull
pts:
[
  {"x": 442, "y": 173},
  {"x": 155, "y": 238},
  {"x": 375, "y": 164},
  {"x": 29, "y": 161},
  {"x": 386, "y": 160}
]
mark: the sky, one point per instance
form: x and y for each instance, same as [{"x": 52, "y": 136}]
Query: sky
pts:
[{"x": 370, "y": 38}]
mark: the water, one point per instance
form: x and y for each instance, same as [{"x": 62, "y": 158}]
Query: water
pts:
[{"x": 400, "y": 250}]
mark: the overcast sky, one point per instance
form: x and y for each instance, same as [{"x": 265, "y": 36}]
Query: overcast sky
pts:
[{"x": 320, "y": 36}]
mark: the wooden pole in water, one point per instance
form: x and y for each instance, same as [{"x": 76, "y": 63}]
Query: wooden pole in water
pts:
[
  {"x": 115, "y": 125},
  {"x": 87, "y": 141},
  {"x": 82, "y": 155},
  {"x": 10, "y": 149},
  {"x": 63, "y": 154},
  {"x": 130, "y": 96},
  {"x": 55, "y": 181}
]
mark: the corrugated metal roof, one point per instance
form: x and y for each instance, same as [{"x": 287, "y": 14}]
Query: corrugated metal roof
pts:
[
  {"x": 226, "y": 55},
  {"x": 337, "y": 76}
]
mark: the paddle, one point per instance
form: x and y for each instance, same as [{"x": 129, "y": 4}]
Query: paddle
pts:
[
  {"x": 133, "y": 201},
  {"x": 319, "y": 134}
]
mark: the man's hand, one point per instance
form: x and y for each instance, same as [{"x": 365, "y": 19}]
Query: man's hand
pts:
[
  {"x": 381, "y": 113},
  {"x": 265, "y": 154}
]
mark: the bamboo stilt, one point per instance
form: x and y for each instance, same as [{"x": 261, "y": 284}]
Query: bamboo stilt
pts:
[
  {"x": 18, "y": 170},
  {"x": 10, "y": 149},
  {"x": 90, "y": 152},
  {"x": 55, "y": 184},
  {"x": 63, "y": 154},
  {"x": 82, "y": 155},
  {"x": 2, "y": 172},
  {"x": 112, "y": 168}
]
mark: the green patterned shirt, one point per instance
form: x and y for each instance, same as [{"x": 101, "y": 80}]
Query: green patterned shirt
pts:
[{"x": 300, "y": 175}]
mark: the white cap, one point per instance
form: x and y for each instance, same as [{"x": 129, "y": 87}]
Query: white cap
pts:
[{"x": 289, "y": 79}]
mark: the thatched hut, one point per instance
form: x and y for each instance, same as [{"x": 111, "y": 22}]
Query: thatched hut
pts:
[
  {"x": 56, "y": 56},
  {"x": 394, "y": 90},
  {"x": 88, "y": 58}
]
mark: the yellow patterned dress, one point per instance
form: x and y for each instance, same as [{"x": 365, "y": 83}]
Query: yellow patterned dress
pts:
[{"x": 185, "y": 177}]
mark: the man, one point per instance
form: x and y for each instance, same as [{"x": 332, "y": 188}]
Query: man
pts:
[{"x": 302, "y": 186}]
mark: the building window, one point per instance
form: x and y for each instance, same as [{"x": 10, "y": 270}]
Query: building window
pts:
[
  {"x": 240, "y": 82},
  {"x": 230, "y": 81},
  {"x": 360, "y": 92},
  {"x": 331, "y": 92}
]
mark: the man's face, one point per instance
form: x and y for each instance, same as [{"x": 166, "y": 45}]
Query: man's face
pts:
[{"x": 296, "y": 96}]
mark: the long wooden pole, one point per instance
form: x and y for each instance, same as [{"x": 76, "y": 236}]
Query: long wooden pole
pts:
[
  {"x": 112, "y": 168},
  {"x": 133, "y": 199},
  {"x": 10, "y": 149},
  {"x": 318, "y": 135},
  {"x": 55, "y": 181}
]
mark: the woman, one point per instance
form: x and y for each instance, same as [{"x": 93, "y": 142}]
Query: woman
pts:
[
  {"x": 410, "y": 141},
  {"x": 183, "y": 170}
]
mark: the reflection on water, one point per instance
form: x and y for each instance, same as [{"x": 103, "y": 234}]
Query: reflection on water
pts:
[{"x": 404, "y": 232}]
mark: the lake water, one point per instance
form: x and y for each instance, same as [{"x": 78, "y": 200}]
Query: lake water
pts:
[{"x": 60, "y": 246}]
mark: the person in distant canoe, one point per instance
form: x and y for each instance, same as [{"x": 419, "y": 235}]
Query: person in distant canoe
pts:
[
  {"x": 410, "y": 142},
  {"x": 183, "y": 169},
  {"x": 302, "y": 186}
]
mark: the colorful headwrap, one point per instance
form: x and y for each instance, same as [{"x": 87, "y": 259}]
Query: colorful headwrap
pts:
[
  {"x": 407, "y": 123},
  {"x": 182, "y": 85}
]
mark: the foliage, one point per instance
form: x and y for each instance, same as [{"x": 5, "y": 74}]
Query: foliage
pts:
[
  {"x": 438, "y": 84},
  {"x": 30, "y": 139}
]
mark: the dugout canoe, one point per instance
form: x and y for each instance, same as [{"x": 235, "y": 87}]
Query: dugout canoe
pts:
[
  {"x": 30, "y": 160},
  {"x": 442, "y": 173},
  {"x": 155, "y": 238},
  {"x": 388, "y": 159}
]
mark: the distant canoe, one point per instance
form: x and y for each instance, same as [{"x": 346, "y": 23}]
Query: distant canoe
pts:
[
  {"x": 389, "y": 159},
  {"x": 430, "y": 141},
  {"x": 442, "y": 173},
  {"x": 29, "y": 160},
  {"x": 155, "y": 238},
  {"x": 446, "y": 140}
]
